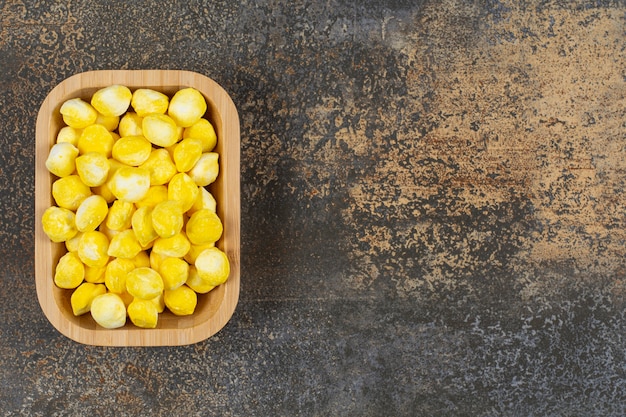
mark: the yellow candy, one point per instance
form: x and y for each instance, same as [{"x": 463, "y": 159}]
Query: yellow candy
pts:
[
  {"x": 187, "y": 153},
  {"x": 124, "y": 245},
  {"x": 142, "y": 225},
  {"x": 141, "y": 252},
  {"x": 78, "y": 113},
  {"x": 92, "y": 249},
  {"x": 146, "y": 101},
  {"x": 109, "y": 233},
  {"x": 160, "y": 129},
  {"x": 95, "y": 275},
  {"x": 176, "y": 246},
  {"x": 187, "y": 106},
  {"x": 127, "y": 299},
  {"x": 72, "y": 244},
  {"x": 61, "y": 160},
  {"x": 174, "y": 272},
  {"x": 167, "y": 218},
  {"x": 109, "y": 122},
  {"x": 143, "y": 313},
  {"x": 170, "y": 150},
  {"x": 142, "y": 259},
  {"x": 196, "y": 283},
  {"x": 130, "y": 125},
  {"x": 91, "y": 212},
  {"x": 205, "y": 200},
  {"x": 68, "y": 134},
  {"x": 69, "y": 272},
  {"x": 95, "y": 138},
  {"x": 132, "y": 150},
  {"x": 59, "y": 224},
  {"x": 109, "y": 310},
  {"x": 183, "y": 189},
  {"x": 206, "y": 170},
  {"x": 156, "y": 194},
  {"x": 203, "y": 130},
  {"x": 182, "y": 301},
  {"x": 114, "y": 165},
  {"x": 194, "y": 251},
  {"x": 68, "y": 192},
  {"x": 156, "y": 259},
  {"x": 83, "y": 296},
  {"x": 115, "y": 274},
  {"x": 204, "y": 227},
  {"x": 105, "y": 192},
  {"x": 213, "y": 266},
  {"x": 159, "y": 302},
  {"x": 93, "y": 168},
  {"x": 148, "y": 246},
  {"x": 112, "y": 100},
  {"x": 160, "y": 166},
  {"x": 130, "y": 184},
  {"x": 144, "y": 283},
  {"x": 120, "y": 215}
]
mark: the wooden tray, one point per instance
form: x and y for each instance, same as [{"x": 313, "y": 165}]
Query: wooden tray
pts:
[{"x": 214, "y": 309}]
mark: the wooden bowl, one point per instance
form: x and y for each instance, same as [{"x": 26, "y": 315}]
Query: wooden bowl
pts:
[{"x": 215, "y": 308}]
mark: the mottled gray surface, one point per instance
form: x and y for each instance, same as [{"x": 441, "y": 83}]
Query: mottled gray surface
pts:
[{"x": 433, "y": 218}]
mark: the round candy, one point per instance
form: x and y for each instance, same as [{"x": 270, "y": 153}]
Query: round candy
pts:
[
  {"x": 130, "y": 184},
  {"x": 112, "y": 100},
  {"x": 68, "y": 192},
  {"x": 91, "y": 212},
  {"x": 174, "y": 272},
  {"x": 124, "y": 245},
  {"x": 78, "y": 114},
  {"x": 204, "y": 227},
  {"x": 160, "y": 166},
  {"x": 95, "y": 138},
  {"x": 213, "y": 266},
  {"x": 144, "y": 283},
  {"x": 83, "y": 296},
  {"x": 146, "y": 101},
  {"x": 187, "y": 106},
  {"x": 59, "y": 224},
  {"x": 92, "y": 249},
  {"x": 132, "y": 150},
  {"x": 61, "y": 160},
  {"x": 93, "y": 168},
  {"x": 203, "y": 130},
  {"x": 181, "y": 301},
  {"x": 130, "y": 125},
  {"x": 115, "y": 274},
  {"x": 196, "y": 283},
  {"x": 167, "y": 218},
  {"x": 109, "y": 310},
  {"x": 160, "y": 129},
  {"x": 183, "y": 189},
  {"x": 69, "y": 272},
  {"x": 143, "y": 313},
  {"x": 142, "y": 226},
  {"x": 206, "y": 170},
  {"x": 186, "y": 153},
  {"x": 176, "y": 246}
]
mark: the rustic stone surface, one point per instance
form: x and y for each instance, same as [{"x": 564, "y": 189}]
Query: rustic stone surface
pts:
[{"x": 432, "y": 210}]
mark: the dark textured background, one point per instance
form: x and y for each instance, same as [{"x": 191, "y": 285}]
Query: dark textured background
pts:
[{"x": 433, "y": 217}]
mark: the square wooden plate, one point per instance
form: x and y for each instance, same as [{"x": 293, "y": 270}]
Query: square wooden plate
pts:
[{"x": 214, "y": 309}]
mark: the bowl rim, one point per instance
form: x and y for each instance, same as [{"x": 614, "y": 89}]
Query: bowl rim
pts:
[{"x": 218, "y": 310}]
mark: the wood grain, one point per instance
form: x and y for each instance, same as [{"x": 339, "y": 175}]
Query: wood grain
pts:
[{"x": 214, "y": 309}]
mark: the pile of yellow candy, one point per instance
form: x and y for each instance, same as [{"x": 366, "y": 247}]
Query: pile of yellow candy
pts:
[{"x": 132, "y": 205}]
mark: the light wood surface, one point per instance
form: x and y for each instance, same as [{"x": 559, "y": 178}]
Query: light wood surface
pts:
[{"x": 214, "y": 309}]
